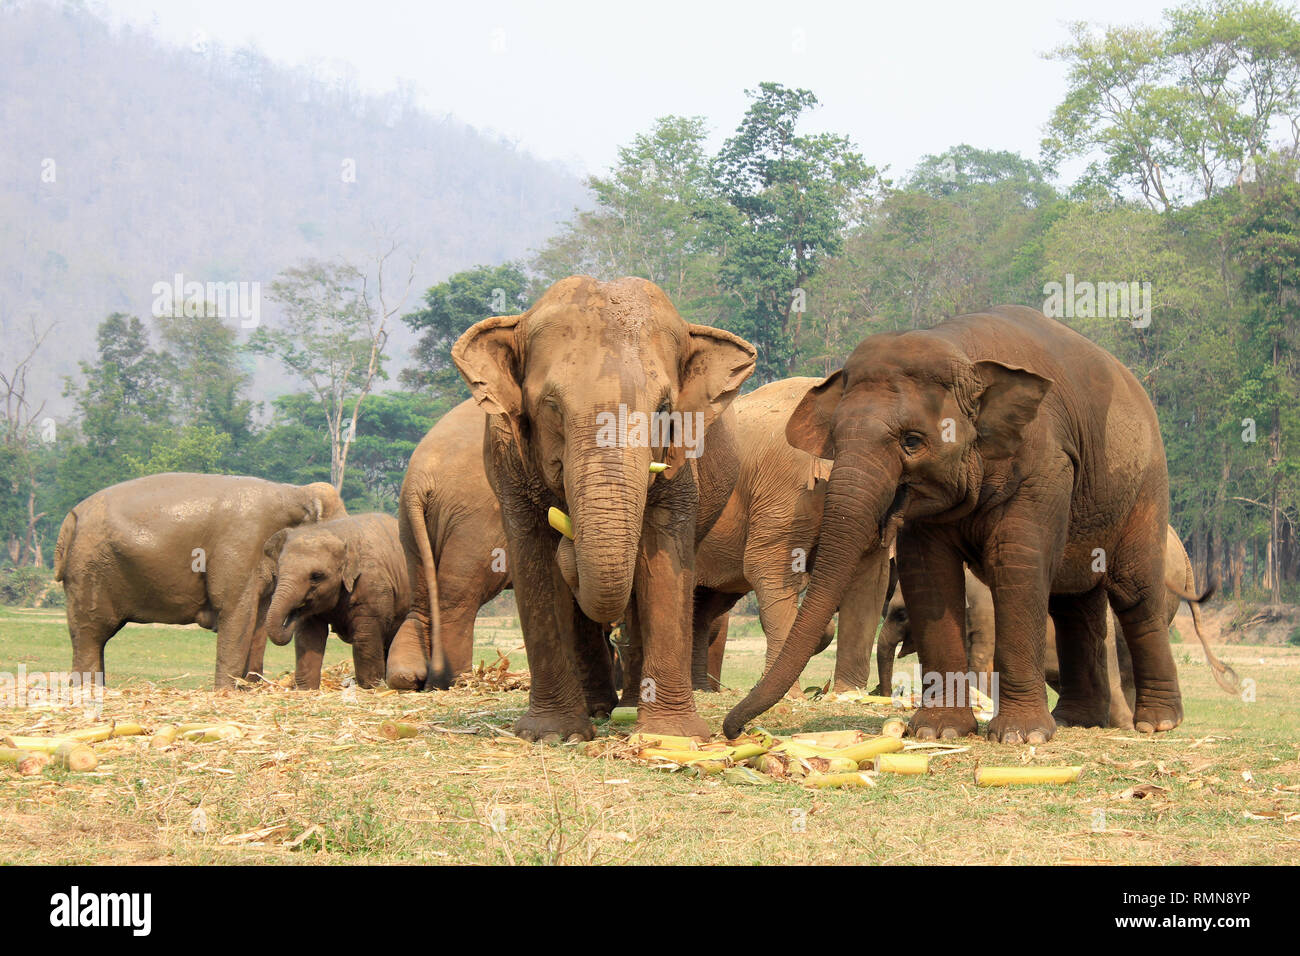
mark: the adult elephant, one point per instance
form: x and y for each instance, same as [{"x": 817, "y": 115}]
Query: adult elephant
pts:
[
  {"x": 1009, "y": 441},
  {"x": 1180, "y": 583},
  {"x": 584, "y": 392},
  {"x": 766, "y": 541},
  {"x": 177, "y": 549},
  {"x": 348, "y": 574},
  {"x": 454, "y": 545}
]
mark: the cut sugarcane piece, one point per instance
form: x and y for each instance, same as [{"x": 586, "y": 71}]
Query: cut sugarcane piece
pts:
[
  {"x": 658, "y": 467},
  {"x": 744, "y": 776},
  {"x": 832, "y": 764},
  {"x": 868, "y": 749},
  {"x": 622, "y": 715},
  {"x": 28, "y": 763},
  {"x": 683, "y": 757},
  {"x": 396, "y": 730},
  {"x": 164, "y": 736},
  {"x": 826, "y": 781},
  {"x": 211, "y": 733},
  {"x": 830, "y": 738},
  {"x": 561, "y": 522},
  {"x": 894, "y": 727},
  {"x": 75, "y": 756},
  {"x": 1006, "y": 776},
  {"x": 91, "y": 735},
  {"x": 982, "y": 704},
  {"x": 666, "y": 741},
  {"x": 902, "y": 763}
]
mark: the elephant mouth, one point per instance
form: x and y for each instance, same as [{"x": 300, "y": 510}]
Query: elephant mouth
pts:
[{"x": 289, "y": 625}]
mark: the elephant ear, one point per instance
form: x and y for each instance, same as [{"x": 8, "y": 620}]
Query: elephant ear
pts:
[
  {"x": 323, "y": 503},
  {"x": 715, "y": 365},
  {"x": 1007, "y": 404},
  {"x": 809, "y": 425},
  {"x": 490, "y": 360},
  {"x": 269, "y": 562},
  {"x": 351, "y": 566}
]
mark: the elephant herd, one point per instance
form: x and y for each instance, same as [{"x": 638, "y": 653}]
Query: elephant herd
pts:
[{"x": 608, "y": 470}]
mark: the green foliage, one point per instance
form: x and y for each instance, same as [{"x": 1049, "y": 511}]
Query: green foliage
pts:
[{"x": 29, "y": 587}]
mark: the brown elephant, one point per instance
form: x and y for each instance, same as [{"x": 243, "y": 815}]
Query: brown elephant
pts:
[
  {"x": 455, "y": 551},
  {"x": 1009, "y": 441},
  {"x": 765, "y": 540},
  {"x": 584, "y": 392},
  {"x": 177, "y": 549},
  {"x": 1179, "y": 580},
  {"x": 348, "y": 574}
]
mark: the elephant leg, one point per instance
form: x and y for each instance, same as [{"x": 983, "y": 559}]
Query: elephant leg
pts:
[
  {"x": 711, "y": 607},
  {"x": 88, "y": 640},
  {"x": 309, "y": 653},
  {"x": 894, "y": 631},
  {"x": 778, "y": 606},
  {"x": 630, "y": 652},
  {"x": 1137, "y": 594},
  {"x": 368, "y": 652},
  {"x": 408, "y": 655},
  {"x": 717, "y": 648},
  {"x": 664, "y": 594},
  {"x": 456, "y": 631},
  {"x": 595, "y": 665},
  {"x": 235, "y": 626},
  {"x": 1119, "y": 676},
  {"x": 1080, "y": 623},
  {"x": 859, "y": 621},
  {"x": 931, "y": 575},
  {"x": 257, "y": 646}
]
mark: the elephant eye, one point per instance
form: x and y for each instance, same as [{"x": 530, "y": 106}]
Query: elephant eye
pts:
[
  {"x": 913, "y": 441},
  {"x": 318, "y": 575}
]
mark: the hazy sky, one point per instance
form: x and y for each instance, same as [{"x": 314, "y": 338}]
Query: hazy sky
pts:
[{"x": 572, "y": 81}]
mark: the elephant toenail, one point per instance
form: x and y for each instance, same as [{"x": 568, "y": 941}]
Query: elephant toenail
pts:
[
  {"x": 1037, "y": 738},
  {"x": 949, "y": 733},
  {"x": 925, "y": 733}
]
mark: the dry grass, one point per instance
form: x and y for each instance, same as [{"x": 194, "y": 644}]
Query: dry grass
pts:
[{"x": 312, "y": 781}]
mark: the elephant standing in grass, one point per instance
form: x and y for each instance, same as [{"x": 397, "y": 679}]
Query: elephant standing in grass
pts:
[
  {"x": 455, "y": 550},
  {"x": 348, "y": 574},
  {"x": 177, "y": 549},
  {"x": 585, "y": 391},
  {"x": 1007, "y": 441},
  {"x": 765, "y": 540}
]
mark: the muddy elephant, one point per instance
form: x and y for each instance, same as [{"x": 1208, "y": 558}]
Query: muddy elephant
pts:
[
  {"x": 1009, "y": 441},
  {"x": 605, "y": 405},
  {"x": 1179, "y": 580},
  {"x": 454, "y": 545},
  {"x": 177, "y": 549},
  {"x": 765, "y": 540},
  {"x": 348, "y": 574}
]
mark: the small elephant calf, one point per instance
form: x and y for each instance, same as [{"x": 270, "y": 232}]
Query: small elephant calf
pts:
[{"x": 348, "y": 574}]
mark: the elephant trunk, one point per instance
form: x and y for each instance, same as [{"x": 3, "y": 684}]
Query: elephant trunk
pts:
[
  {"x": 858, "y": 498},
  {"x": 606, "y": 491},
  {"x": 284, "y": 602}
]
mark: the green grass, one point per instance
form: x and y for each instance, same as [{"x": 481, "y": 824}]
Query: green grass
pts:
[{"x": 313, "y": 767}]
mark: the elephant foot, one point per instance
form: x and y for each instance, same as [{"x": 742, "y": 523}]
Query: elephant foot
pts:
[
  {"x": 554, "y": 727},
  {"x": 673, "y": 725},
  {"x": 1081, "y": 713},
  {"x": 1157, "y": 714},
  {"x": 942, "y": 723},
  {"x": 1021, "y": 725},
  {"x": 601, "y": 709},
  {"x": 843, "y": 684},
  {"x": 400, "y": 676}
]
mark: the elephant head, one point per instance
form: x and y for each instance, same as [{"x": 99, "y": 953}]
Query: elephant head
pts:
[
  {"x": 912, "y": 424},
  {"x": 308, "y": 565},
  {"x": 594, "y": 383}
]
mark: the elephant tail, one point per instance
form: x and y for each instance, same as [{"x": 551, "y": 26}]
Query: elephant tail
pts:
[
  {"x": 436, "y": 670},
  {"x": 66, "y": 532},
  {"x": 1224, "y": 675}
]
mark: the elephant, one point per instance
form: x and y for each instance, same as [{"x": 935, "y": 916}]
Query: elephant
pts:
[
  {"x": 1006, "y": 440},
  {"x": 348, "y": 574},
  {"x": 177, "y": 549},
  {"x": 454, "y": 544},
  {"x": 765, "y": 540},
  {"x": 608, "y": 416}
]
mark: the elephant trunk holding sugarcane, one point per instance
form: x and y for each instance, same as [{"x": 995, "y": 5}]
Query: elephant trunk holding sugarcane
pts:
[
  {"x": 1006, "y": 440},
  {"x": 178, "y": 549},
  {"x": 766, "y": 541},
  {"x": 349, "y": 575},
  {"x": 584, "y": 392}
]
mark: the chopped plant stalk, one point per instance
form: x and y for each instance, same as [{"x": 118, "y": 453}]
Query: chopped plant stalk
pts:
[
  {"x": 902, "y": 763},
  {"x": 1006, "y": 776},
  {"x": 394, "y": 730},
  {"x": 560, "y": 522}
]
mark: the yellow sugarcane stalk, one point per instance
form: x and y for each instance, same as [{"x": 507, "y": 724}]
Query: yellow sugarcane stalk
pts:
[
  {"x": 666, "y": 741},
  {"x": 658, "y": 467},
  {"x": 902, "y": 763},
  {"x": 210, "y": 734},
  {"x": 164, "y": 736},
  {"x": 683, "y": 757},
  {"x": 830, "y": 738},
  {"x": 43, "y": 745},
  {"x": 395, "y": 730},
  {"x": 868, "y": 749},
  {"x": 1005, "y": 776},
  {"x": 27, "y": 762},
  {"x": 823, "y": 781},
  {"x": 560, "y": 522},
  {"x": 75, "y": 756}
]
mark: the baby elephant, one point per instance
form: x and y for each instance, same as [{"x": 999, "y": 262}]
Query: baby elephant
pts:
[{"x": 348, "y": 574}]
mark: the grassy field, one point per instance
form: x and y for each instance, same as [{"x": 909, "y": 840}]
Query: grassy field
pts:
[{"x": 312, "y": 781}]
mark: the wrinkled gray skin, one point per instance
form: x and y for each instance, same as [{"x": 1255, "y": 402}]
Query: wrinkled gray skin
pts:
[
  {"x": 895, "y": 635},
  {"x": 348, "y": 574},
  {"x": 765, "y": 540},
  {"x": 177, "y": 549}
]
